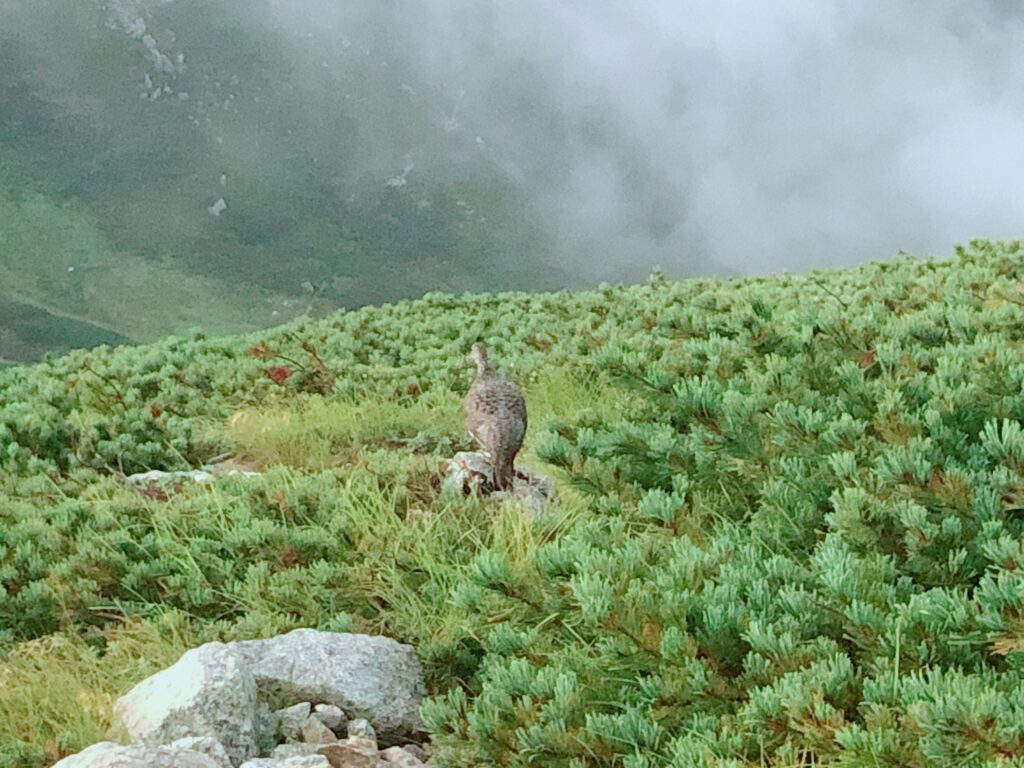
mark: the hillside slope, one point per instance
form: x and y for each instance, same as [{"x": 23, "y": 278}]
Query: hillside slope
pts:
[{"x": 790, "y": 530}]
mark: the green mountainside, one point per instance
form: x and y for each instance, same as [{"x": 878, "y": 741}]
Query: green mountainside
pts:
[
  {"x": 790, "y": 529},
  {"x": 346, "y": 178}
]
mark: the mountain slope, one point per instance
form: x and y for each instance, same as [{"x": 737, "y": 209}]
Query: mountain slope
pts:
[{"x": 789, "y": 529}]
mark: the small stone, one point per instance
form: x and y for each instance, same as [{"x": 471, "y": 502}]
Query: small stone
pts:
[
  {"x": 315, "y": 732},
  {"x": 401, "y": 757},
  {"x": 361, "y": 729},
  {"x": 330, "y": 715},
  {"x": 417, "y": 751},
  {"x": 468, "y": 472},
  {"x": 307, "y": 761},
  {"x": 206, "y": 745},
  {"x": 285, "y": 751},
  {"x": 292, "y": 719},
  {"x": 343, "y": 756}
]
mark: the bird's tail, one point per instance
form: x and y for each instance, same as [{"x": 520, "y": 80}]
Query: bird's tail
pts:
[{"x": 503, "y": 472}]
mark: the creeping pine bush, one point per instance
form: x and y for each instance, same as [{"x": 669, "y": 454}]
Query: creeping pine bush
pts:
[
  {"x": 804, "y": 545},
  {"x": 792, "y": 528}
]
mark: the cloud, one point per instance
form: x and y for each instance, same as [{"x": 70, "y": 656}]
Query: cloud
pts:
[
  {"x": 734, "y": 136},
  {"x": 740, "y": 136}
]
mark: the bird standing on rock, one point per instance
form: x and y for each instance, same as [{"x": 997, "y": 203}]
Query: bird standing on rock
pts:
[{"x": 495, "y": 417}]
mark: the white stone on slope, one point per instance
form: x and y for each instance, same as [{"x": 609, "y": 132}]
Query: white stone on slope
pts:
[
  {"x": 206, "y": 745},
  {"x": 307, "y": 761},
  {"x": 368, "y": 677},
  {"x": 110, "y": 755},
  {"x": 330, "y": 715},
  {"x": 210, "y": 691},
  {"x": 470, "y": 471}
]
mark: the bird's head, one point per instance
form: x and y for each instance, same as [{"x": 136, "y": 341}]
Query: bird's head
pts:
[{"x": 478, "y": 354}]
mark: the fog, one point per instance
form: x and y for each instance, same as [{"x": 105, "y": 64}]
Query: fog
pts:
[
  {"x": 702, "y": 138},
  {"x": 737, "y": 136}
]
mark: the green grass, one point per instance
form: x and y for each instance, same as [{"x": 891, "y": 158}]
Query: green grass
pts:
[
  {"x": 55, "y": 258},
  {"x": 321, "y": 433},
  {"x": 57, "y": 692},
  {"x": 788, "y": 526},
  {"x": 412, "y": 550}
]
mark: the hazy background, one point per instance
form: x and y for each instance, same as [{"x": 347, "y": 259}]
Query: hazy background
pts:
[{"x": 233, "y": 163}]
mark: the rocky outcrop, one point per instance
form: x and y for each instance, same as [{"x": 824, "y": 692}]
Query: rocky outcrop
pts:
[
  {"x": 211, "y": 709},
  {"x": 367, "y": 677},
  {"x": 471, "y": 472},
  {"x": 110, "y": 755},
  {"x": 209, "y": 692}
]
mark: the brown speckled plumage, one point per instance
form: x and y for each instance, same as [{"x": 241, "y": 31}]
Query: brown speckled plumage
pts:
[{"x": 495, "y": 416}]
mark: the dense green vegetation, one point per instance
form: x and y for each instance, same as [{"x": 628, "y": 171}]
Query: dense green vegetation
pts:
[{"x": 790, "y": 527}]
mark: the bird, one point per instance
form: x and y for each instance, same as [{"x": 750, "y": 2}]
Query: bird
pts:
[{"x": 495, "y": 413}]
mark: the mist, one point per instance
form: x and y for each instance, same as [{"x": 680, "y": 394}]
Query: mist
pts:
[
  {"x": 288, "y": 157},
  {"x": 736, "y": 136}
]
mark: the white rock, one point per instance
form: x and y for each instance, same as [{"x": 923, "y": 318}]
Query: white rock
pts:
[
  {"x": 368, "y": 677},
  {"x": 110, "y": 755},
  {"x": 206, "y": 745},
  {"x": 401, "y": 758},
  {"x": 159, "y": 476},
  {"x": 315, "y": 732},
  {"x": 470, "y": 471},
  {"x": 205, "y": 475},
  {"x": 210, "y": 691},
  {"x": 329, "y": 715},
  {"x": 305, "y": 761},
  {"x": 284, "y": 751},
  {"x": 292, "y": 719}
]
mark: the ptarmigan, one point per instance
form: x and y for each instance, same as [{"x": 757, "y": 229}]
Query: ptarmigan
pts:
[{"x": 495, "y": 416}]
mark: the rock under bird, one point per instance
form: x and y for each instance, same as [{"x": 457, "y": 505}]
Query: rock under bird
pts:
[{"x": 495, "y": 416}]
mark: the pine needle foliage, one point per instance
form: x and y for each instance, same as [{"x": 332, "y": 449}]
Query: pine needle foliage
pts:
[{"x": 790, "y": 531}]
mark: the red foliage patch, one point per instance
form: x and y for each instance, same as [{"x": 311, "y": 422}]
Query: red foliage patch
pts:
[
  {"x": 261, "y": 351},
  {"x": 278, "y": 374}
]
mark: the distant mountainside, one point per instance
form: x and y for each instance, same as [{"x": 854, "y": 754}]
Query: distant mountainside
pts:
[{"x": 169, "y": 165}]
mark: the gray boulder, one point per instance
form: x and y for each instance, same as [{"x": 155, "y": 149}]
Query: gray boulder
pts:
[
  {"x": 470, "y": 472},
  {"x": 209, "y": 692},
  {"x": 368, "y": 677},
  {"x": 110, "y": 755}
]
